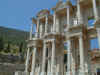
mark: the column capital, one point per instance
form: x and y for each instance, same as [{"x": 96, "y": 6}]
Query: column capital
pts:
[
  {"x": 80, "y": 36},
  {"x": 44, "y": 41},
  {"x": 52, "y": 40}
]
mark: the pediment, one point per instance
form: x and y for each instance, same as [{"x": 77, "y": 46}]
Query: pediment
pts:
[{"x": 43, "y": 12}]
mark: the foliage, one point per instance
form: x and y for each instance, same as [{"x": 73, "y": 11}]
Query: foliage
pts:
[
  {"x": 12, "y": 40},
  {"x": 1, "y": 44},
  {"x": 8, "y": 49},
  {"x": 21, "y": 47}
]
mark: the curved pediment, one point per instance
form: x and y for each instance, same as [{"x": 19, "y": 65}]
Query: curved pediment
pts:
[{"x": 43, "y": 12}]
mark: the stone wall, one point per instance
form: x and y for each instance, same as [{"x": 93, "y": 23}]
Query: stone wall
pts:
[
  {"x": 6, "y": 73},
  {"x": 9, "y": 64},
  {"x": 10, "y": 69}
]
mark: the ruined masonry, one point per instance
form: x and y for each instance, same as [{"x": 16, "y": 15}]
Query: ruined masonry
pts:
[{"x": 68, "y": 23}]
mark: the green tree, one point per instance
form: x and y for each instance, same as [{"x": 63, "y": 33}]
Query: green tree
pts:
[
  {"x": 21, "y": 47},
  {"x": 1, "y": 44},
  {"x": 8, "y": 47}
]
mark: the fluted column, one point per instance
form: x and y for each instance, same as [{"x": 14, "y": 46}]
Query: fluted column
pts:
[
  {"x": 98, "y": 35},
  {"x": 53, "y": 57},
  {"x": 54, "y": 22},
  {"x": 81, "y": 48},
  {"x": 69, "y": 57},
  {"x": 46, "y": 24},
  {"x": 44, "y": 57},
  {"x": 79, "y": 13},
  {"x": 33, "y": 61},
  {"x": 31, "y": 31},
  {"x": 27, "y": 60},
  {"x": 95, "y": 10}
]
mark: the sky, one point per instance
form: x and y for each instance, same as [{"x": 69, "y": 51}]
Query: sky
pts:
[{"x": 17, "y": 14}]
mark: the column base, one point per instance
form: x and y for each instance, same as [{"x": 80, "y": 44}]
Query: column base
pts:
[
  {"x": 83, "y": 73},
  {"x": 50, "y": 73},
  {"x": 76, "y": 73},
  {"x": 43, "y": 73},
  {"x": 59, "y": 73},
  {"x": 35, "y": 73},
  {"x": 68, "y": 73},
  {"x": 25, "y": 73},
  {"x": 21, "y": 73}
]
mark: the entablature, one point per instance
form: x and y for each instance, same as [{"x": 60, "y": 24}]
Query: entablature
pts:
[
  {"x": 35, "y": 42},
  {"x": 42, "y": 19},
  {"x": 60, "y": 8},
  {"x": 88, "y": 3}
]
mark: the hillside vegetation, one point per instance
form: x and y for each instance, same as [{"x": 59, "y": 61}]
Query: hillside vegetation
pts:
[{"x": 12, "y": 40}]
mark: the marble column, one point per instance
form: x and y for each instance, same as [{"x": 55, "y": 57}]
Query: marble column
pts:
[
  {"x": 61, "y": 66},
  {"x": 68, "y": 16},
  {"x": 54, "y": 22},
  {"x": 95, "y": 10},
  {"x": 44, "y": 57},
  {"x": 48, "y": 60},
  {"x": 41, "y": 30},
  {"x": 79, "y": 13},
  {"x": 98, "y": 35},
  {"x": 46, "y": 24},
  {"x": 31, "y": 31},
  {"x": 69, "y": 57},
  {"x": 73, "y": 57},
  {"x": 27, "y": 60},
  {"x": 81, "y": 48},
  {"x": 57, "y": 24},
  {"x": 53, "y": 57},
  {"x": 33, "y": 61},
  {"x": 37, "y": 28}
]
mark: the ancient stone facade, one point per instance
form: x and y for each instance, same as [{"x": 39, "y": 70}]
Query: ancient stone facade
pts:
[{"x": 45, "y": 54}]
